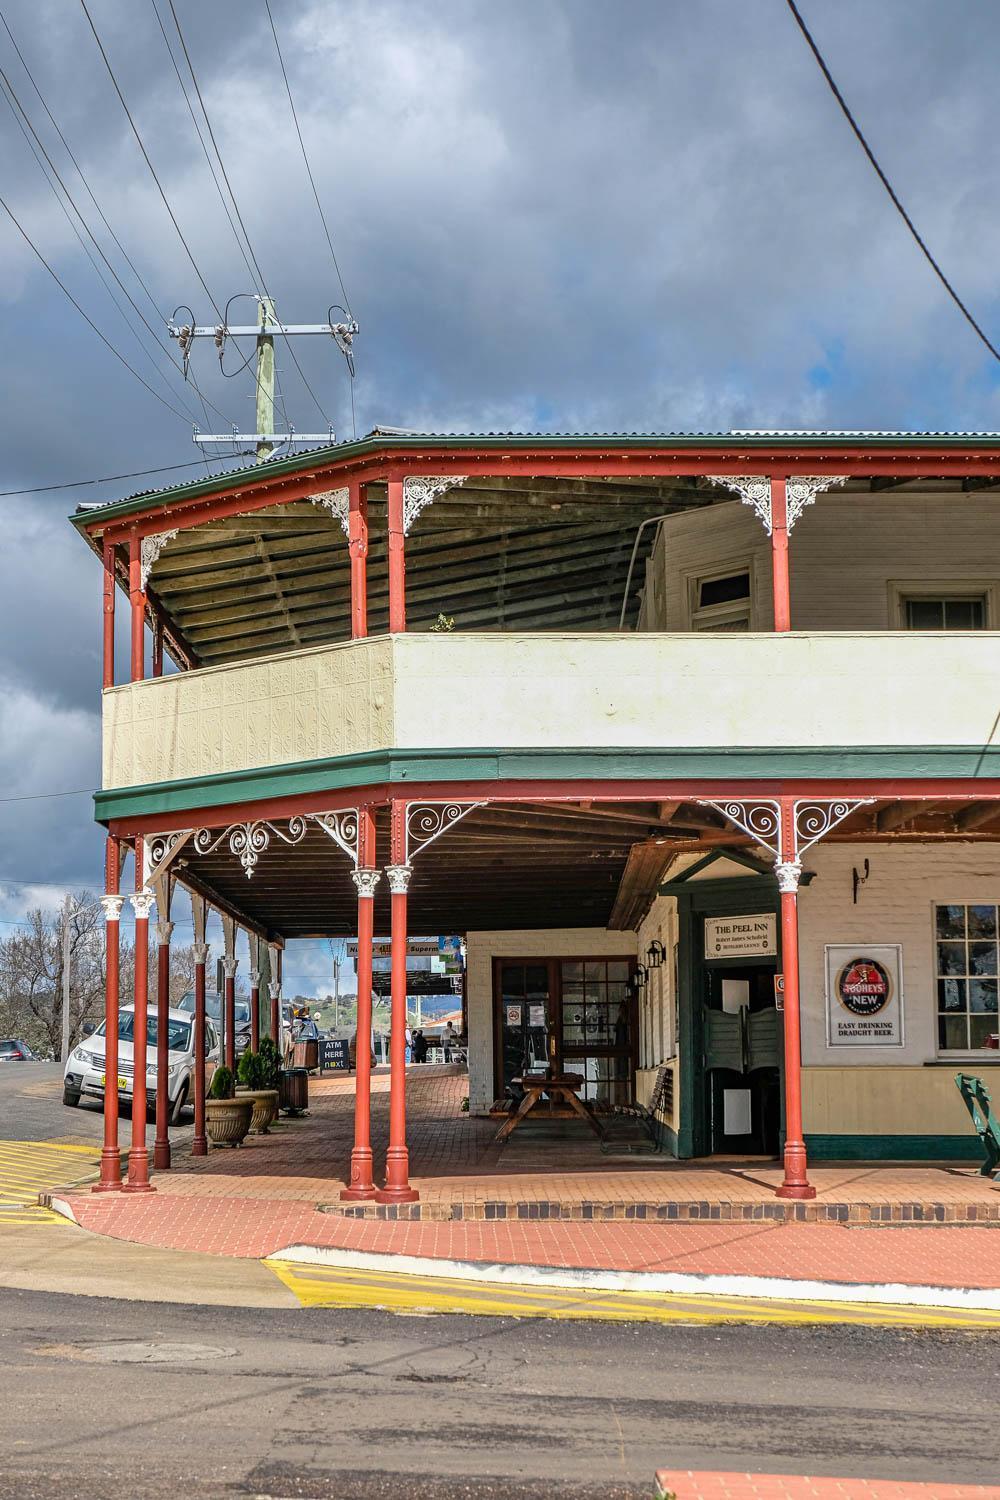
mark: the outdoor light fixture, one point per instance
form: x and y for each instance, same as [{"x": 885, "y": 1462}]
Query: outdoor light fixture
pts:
[
  {"x": 655, "y": 954},
  {"x": 641, "y": 976}
]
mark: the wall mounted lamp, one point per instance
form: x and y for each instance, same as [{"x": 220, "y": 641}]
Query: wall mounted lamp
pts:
[{"x": 655, "y": 954}]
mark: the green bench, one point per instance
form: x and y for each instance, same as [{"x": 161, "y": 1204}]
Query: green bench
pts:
[{"x": 977, "y": 1101}]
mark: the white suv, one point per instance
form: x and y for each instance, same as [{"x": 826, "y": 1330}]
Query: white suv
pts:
[{"x": 84, "y": 1071}]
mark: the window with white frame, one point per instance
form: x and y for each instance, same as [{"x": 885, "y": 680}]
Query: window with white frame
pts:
[
  {"x": 721, "y": 601},
  {"x": 968, "y": 973},
  {"x": 939, "y": 604}
]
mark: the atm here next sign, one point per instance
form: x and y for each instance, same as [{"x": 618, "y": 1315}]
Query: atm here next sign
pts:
[{"x": 742, "y": 937}]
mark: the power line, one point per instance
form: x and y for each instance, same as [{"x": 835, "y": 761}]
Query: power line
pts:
[
  {"x": 236, "y": 207},
  {"x": 87, "y": 319},
  {"x": 149, "y": 164},
  {"x": 75, "y": 484},
  {"x": 305, "y": 158},
  {"x": 80, "y": 791},
  {"x": 966, "y": 314}
]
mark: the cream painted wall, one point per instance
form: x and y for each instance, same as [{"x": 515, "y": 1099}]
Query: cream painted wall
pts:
[
  {"x": 483, "y": 947},
  {"x": 846, "y": 551},
  {"x": 521, "y": 691}
]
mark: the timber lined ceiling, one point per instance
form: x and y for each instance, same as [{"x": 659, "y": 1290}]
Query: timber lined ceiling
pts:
[
  {"x": 493, "y": 554},
  {"x": 529, "y": 865}
]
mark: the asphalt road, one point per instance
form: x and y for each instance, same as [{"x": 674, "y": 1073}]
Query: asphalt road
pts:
[
  {"x": 31, "y": 1109},
  {"x": 324, "y": 1403}
]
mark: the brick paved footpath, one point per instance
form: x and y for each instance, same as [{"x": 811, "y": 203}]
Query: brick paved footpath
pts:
[
  {"x": 267, "y": 1195},
  {"x": 682, "y": 1484}
]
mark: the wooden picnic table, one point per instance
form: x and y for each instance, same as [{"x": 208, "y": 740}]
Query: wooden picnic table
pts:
[{"x": 563, "y": 1102}]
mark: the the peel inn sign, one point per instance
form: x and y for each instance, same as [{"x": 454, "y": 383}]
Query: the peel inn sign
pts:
[{"x": 741, "y": 937}]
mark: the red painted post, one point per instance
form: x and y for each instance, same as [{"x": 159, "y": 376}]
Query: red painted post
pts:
[
  {"x": 275, "y": 989},
  {"x": 229, "y": 964},
  {"x": 112, "y": 902},
  {"x": 397, "y": 557},
  {"x": 779, "y": 556},
  {"x": 138, "y": 1157},
  {"x": 157, "y": 647},
  {"x": 788, "y": 870},
  {"x": 357, "y": 522},
  {"x": 199, "y": 1145},
  {"x": 108, "y": 617},
  {"x": 138, "y": 601},
  {"x": 255, "y": 1010},
  {"x": 161, "y": 1143},
  {"x": 397, "y": 1161},
  {"x": 366, "y": 878}
]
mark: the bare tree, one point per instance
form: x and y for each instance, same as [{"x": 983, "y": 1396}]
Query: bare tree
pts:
[{"x": 31, "y": 973}]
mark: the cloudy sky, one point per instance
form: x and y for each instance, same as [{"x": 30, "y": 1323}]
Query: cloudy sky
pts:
[{"x": 549, "y": 214}]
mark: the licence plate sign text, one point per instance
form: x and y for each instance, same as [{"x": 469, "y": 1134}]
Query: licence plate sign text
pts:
[{"x": 122, "y": 1083}]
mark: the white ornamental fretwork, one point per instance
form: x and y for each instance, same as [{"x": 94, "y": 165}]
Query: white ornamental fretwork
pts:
[
  {"x": 365, "y": 881},
  {"x": 800, "y": 492},
  {"x": 812, "y": 819},
  {"x": 248, "y": 841},
  {"x": 142, "y": 904},
  {"x": 427, "y": 821},
  {"x": 753, "y": 489},
  {"x": 338, "y": 503},
  {"x": 112, "y": 906},
  {"x": 343, "y": 828},
  {"x": 398, "y": 877},
  {"x": 420, "y": 490},
  {"x": 150, "y": 548}
]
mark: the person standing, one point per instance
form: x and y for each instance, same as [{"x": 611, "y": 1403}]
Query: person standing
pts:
[{"x": 449, "y": 1039}]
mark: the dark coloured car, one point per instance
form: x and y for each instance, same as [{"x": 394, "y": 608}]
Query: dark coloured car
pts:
[{"x": 17, "y": 1051}]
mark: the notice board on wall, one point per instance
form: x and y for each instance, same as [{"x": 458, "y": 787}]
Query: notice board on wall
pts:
[
  {"x": 864, "y": 995},
  {"x": 754, "y": 936}
]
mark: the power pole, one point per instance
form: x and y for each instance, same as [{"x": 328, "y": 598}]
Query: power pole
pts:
[
  {"x": 67, "y": 908},
  {"x": 336, "y": 994},
  {"x": 264, "y": 330}
]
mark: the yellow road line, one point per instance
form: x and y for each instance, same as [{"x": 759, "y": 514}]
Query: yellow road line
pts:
[
  {"x": 24, "y": 1217},
  {"x": 28, "y": 1167},
  {"x": 330, "y": 1286}
]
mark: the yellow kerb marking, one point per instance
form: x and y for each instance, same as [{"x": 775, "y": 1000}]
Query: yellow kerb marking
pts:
[{"x": 331, "y": 1286}]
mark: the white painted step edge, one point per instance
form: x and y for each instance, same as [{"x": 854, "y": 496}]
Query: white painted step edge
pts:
[{"x": 899, "y": 1294}]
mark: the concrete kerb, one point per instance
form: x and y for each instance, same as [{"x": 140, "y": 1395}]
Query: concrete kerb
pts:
[{"x": 678, "y": 1283}]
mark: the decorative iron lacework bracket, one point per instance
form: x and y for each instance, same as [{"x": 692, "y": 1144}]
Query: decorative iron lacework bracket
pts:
[
  {"x": 338, "y": 503},
  {"x": 753, "y": 489},
  {"x": 248, "y": 841},
  {"x": 161, "y": 851},
  {"x": 344, "y": 828},
  {"x": 427, "y": 821},
  {"x": 812, "y": 819},
  {"x": 800, "y": 492},
  {"x": 150, "y": 548},
  {"x": 421, "y": 490}
]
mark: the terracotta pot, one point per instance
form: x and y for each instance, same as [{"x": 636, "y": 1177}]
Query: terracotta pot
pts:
[
  {"x": 265, "y": 1108},
  {"x": 228, "y": 1120}
]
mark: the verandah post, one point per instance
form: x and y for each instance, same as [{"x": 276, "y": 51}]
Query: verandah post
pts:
[
  {"x": 397, "y": 1162},
  {"x": 397, "y": 557},
  {"x": 108, "y": 616},
  {"x": 788, "y": 869},
  {"x": 229, "y": 964},
  {"x": 138, "y": 602},
  {"x": 199, "y": 1145},
  {"x": 366, "y": 878},
  {"x": 164, "y": 929},
  {"x": 779, "y": 556},
  {"x": 274, "y": 990},
  {"x": 111, "y": 1172},
  {"x": 138, "y": 1156},
  {"x": 254, "y": 992},
  {"x": 357, "y": 543}
]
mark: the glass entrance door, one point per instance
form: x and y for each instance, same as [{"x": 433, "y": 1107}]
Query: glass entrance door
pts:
[
  {"x": 525, "y": 1025},
  {"x": 598, "y": 1027}
]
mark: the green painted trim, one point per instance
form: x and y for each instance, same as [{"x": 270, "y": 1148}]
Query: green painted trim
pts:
[
  {"x": 965, "y": 1148},
  {"x": 960, "y": 762},
  {"x": 512, "y": 442},
  {"x": 666, "y": 1138}
]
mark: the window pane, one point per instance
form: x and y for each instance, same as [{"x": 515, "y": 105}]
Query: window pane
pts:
[
  {"x": 573, "y": 1022},
  {"x": 981, "y": 1029},
  {"x": 951, "y": 921},
  {"x": 513, "y": 979},
  {"x": 596, "y": 970},
  {"x": 724, "y": 590},
  {"x": 572, "y": 971},
  {"x": 618, "y": 970},
  {"x": 536, "y": 980},
  {"x": 982, "y": 922},
  {"x": 983, "y": 995},
  {"x": 598, "y": 993},
  {"x": 617, "y": 993},
  {"x": 573, "y": 993},
  {"x": 982, "y": 958},
  {"x": 598, "y": 1024},
  {"x": 953, "y": 1032},
  {"x": 963, "y": 614},
  {"x": 951, "y": 994},
  {"x": 951, "y": 958},
  {"x": 924, "y": 614}
]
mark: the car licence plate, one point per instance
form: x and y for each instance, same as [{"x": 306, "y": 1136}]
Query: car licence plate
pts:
[{"x": 122, "y": 1083}]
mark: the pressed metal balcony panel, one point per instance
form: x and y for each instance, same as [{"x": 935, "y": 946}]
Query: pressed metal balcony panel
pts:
[{"x": 551, "y": 692}]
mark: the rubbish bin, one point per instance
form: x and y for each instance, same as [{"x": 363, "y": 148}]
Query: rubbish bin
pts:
[
  {"x": 306, "y": 1054},
  {"x": 294, "y": 1090}
]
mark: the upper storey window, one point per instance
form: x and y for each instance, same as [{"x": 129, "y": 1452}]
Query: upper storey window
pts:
[
  {"x": 721, "y": 601},
  {"x": 948, "y": 612}
]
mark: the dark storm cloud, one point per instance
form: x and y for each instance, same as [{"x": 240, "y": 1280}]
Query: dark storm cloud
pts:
[{"x": 549, "y": 213}]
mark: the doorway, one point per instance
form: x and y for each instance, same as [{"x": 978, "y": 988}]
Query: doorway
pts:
[{"x": 742, "y": 1048}]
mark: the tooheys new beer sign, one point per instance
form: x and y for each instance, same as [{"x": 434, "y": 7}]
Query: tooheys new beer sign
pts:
[{"x": 864, "y": 1001}]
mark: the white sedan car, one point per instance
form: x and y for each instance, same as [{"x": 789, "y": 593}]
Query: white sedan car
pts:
[{"x": 84, "y": 1072}]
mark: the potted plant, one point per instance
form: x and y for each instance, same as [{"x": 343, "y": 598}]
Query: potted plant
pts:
[
  {"x": 227, "y": 1117},
  {"x": 250, "y": 1072}
]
